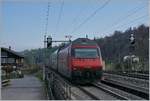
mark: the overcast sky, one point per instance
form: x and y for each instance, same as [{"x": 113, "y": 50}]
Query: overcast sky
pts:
[{"x": 23, "y": 21}]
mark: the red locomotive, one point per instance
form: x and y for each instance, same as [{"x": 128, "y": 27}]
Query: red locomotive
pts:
[{"x": 79, "y": 60}]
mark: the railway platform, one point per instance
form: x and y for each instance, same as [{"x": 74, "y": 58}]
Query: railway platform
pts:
[{"x": 27, "y": 88}]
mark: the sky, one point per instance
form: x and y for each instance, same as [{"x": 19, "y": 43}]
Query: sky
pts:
[{"x": 23, "y": 22}]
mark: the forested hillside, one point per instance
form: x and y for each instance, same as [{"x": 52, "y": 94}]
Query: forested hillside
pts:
[
  {"x": 37, "y": 56},
  {"x": 113, "y": 47}
]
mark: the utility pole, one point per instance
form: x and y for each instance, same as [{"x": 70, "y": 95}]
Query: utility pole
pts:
[
  {"x": 44, "y": 55},
  {"x": 46, "y": 27}
]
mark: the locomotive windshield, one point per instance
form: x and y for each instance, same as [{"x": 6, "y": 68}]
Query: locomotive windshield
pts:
[{"x": 85, "y": 53}]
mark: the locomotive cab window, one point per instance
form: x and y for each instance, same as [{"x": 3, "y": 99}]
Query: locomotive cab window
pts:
[{"x": 85, "y": 53}]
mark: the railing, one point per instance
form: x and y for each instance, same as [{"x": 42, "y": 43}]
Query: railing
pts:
[{"x": 57, "y": 86}]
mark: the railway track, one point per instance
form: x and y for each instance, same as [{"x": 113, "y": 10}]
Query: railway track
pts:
[
  {"x": 92, "y": 96},
  {"x": 138, "y": 91},
  {"x": 128, "y": 74},
  {"x": 118, "y": 96},
  {"x": 97, "y": 94},
  {"x": 91, "y": 92},
  {"x": 95, "y": 91},
  {"x": 139, "y": 75},
  {"x": 128, "y": 80},
  {"x": 116, "y": 92},
  {"x": 100, "y": 91}
]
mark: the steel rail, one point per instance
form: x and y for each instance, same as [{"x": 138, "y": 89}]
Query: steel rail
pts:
[
  {"x": 142, "y": 92},
  {"x": 88, "y": 93},
  {"x": 133, "y": 75},
  {"x": 110, "y": 92},
  {"x": 126, "y": 77}
]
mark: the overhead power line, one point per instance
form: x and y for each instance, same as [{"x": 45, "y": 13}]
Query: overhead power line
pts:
[
  {"x": 60, "y": 14},
  {"x": 75, "y": 19},
  {"x": 91, "y": 15},
  {"x": 135, "y": 10},
  {"x": 139, "y": 18}
]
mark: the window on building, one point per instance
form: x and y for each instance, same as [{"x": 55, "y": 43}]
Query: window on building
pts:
[
  {"x": 3, "y": 54},
  {"x": 11, "y": 60},
  {"x": 3, "y": 60}
]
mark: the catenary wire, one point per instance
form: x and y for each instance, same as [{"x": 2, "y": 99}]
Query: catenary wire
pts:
[
  {"x": 90, "y": 16},
  {"x": 60, "y": 15}
]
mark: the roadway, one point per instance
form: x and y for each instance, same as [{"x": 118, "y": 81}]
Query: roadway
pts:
[{"x": 27, "y": 88}]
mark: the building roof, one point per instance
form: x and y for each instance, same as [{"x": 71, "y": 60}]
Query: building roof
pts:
[{"x": 13, "y": 52}]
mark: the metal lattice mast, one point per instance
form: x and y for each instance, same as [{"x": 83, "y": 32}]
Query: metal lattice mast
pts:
[{"x": 45, "y": 40}]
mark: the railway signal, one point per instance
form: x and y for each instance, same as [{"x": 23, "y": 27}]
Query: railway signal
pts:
[
  {"x": 132, "y": 49},
  {"x": 49, "y": 42},
  {"x": 132, "y": 43},
  {"x": 132, "y": 39}
]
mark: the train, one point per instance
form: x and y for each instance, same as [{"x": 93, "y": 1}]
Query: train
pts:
[{"x": 78, "y": 61}]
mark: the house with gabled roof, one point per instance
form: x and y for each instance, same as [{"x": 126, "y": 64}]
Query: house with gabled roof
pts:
[{"x": 11, "y": 58}]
